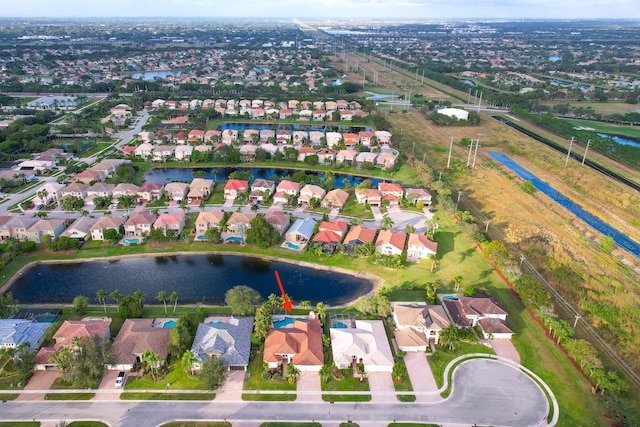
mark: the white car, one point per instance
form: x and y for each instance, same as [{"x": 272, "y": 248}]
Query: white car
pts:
[{"x": 120, "y": 379}]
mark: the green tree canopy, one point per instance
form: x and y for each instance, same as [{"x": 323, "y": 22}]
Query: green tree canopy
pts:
[
  {"x": 213, "y": 372},
  {"x": 242, "y": 299}
]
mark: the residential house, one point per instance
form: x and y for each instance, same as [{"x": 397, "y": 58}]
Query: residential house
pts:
[
  {"x": 383, "y": 137},
  {"x": 195, "y": 136},
  {"x": 288, "y": 187},
  {"x": 351, "y": 140},
  {"x": 335, "y": 199},
  {"x": 390, "y": 188},
  {"x": 368, "y": 195},
  {"x": 326, "y": 156},
  {"x": 207, "y": 220},
  {"x": 301, "y": 231},
  {"x": 319, "y": 115},
  {"x": 331, "y": 106},
  {"x": 105, "y": 223},
  {"x": 315, "y": 137},
  {"x": 14, "y": 332},
  {"x": 299, "y": 345},
  {"x": 183, "y": 152},
  {"x": 366, "y": 158},
  {"x": 239, "y": 222},
  {"x": 468, "y": 312},
  {"x": 65, "y": 336},
  {"x": 16, "y": 228},
  {"x": 227, "y": 338},
  {"x": 88, "y": 176},
  {"x": 136, "y": 336},
  {"x": 45, "y": 227},
  {"x": 211, "y": 136},
  {"x": 346, "y": 157},
  {"x": 330, "y": 235},
  {"x": 50, "y": 193},
  {"x": 387, "y": 160},
  {"x": 420, "y": 247},
  {"x": 201, "y": 188},
  {"x": 108, "y": 166},
  {"x": 150, "y": 191},
  {"x": 267, "y": 135},
  {"x": 139, "y": 224},
  {"x": 366, "y": 138},
  {"x": 279, "y": 220},
  {"x": 170, "y": 222},
  {"x": 333, "y": 138},
  {"x": 415, "y": 195},
  {"x": 100, "y": 189},
  {"x": 176, "y": 191},
  {"x": 162, "y": 152},
  {"x": 303, "y": 152},
  {"x": 418, "y": 324},
  {"x": 125, "y": 189},
  {"x": 80, "y": 229},
  {"x": 310, "y": 192},
  {"x": 234, "y": 187},
  {"x": 390, "y": 242},
  {"x": 261, "y": 190},
  {"x": 365, "y": 342},
  {"x": 144, "y": 150},
  {"x": 358, "y": 235},
  {"x": 76, "y": 190},
  {"x": 248, "y": 153}
]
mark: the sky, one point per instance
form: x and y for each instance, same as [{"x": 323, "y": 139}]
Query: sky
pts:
[{"x": 390, "y": 9}]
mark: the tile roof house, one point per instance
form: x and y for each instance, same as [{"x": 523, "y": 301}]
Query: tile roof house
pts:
[
  {"x": 300, "y": 345},
  {"x": 279, "y": 220},
  {"x": 200, "y": 189},
  {"x": 16, "y": 228},
  {"x": 14, "y": 332},
  {"x": 136, "y": 336},
  {"x": 346, "y": 157},
  {"x": 288, "y": 187},
  {"x": 390, "y": 242},
  {"x": 358, "y": 235},
  {"x": 50, "y": 193},
  {"x": 415, "y": 195},
  {"x": 366, "y": 158},
  {"x": 310, "y": 192},
  {"x": 75, "y": 189},
  {"x": 139, "y": 224},
  {"x": 261, "y": 189},
  {"x": 65, "y": 335},
  {"x": 365, "y": 343},
  {"x": 368, "y": 195},
  {"x": 227, "y": 338},
  {"x": 80, "y": 229},
  {"x": 162, "y": 152},
  {"x": 100, "y": 189},
  {"x": 89, "y": 175},
  {"x": 417, "y": 324},
  {"x": 170, "y": 221},
  {"x": 207, "y": 220},
  {"x": 176, "y": 191},
  {"x": 420, "y": 247},
  {"x": 150, "y": 191},
  {"x": 233, "y": 187},
  {"x": 45, "y": 227},
  {"x": 330, "y": 234},
  {"x": 239, "y": 222},
  {"x": 471, "y": 311},
  {"x": 391, "y": 188},
  {"x": 125, "y": 189},
  {"x": 335, "y": 199},
  {"x": 105, "y": 223},
  {"x": 386, "y": 160}
]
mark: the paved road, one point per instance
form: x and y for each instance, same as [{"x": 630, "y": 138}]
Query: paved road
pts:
[{"x": 485, "y": 392}]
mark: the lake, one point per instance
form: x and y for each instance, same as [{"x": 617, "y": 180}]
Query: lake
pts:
[
  {"x": 222, "y": 175},
  {"x": 621, "y": 140},
  {"x": 197, "y": 278}
]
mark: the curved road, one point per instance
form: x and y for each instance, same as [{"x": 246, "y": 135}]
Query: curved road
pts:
[{"x": 485, "y": 392}]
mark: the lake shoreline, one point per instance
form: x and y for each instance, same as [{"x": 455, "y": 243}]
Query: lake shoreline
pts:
[{"x": 376, "y": 282}]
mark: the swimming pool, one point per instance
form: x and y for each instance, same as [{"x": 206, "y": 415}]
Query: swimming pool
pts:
[
  {"x": 285, "y": 322},
  {"x": 292, "y": 246},
  {"x": 133, "y": 240},
  {"x": 201, "y": 238},
  {"x": 214, "y": 321},
  {"x": 169, "y": 324},
  {"x": 234, "y": 239},
  {"x": 339, "y": 325}
]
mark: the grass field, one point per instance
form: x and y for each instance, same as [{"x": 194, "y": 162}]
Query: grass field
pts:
[
  {"x": 177, "y": 379},
  {"x": 197, "y": 424},
  {"x": 167, "y": 396},
  {"x": 69, "y": 396},
  {"x": 87, "y": 424},
  {"x": 610, "y": 128},
  {"x": 606, "y": 108}
]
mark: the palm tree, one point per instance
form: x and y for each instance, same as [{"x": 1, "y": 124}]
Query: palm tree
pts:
[
  {"x": 186, "y": 362},
  {"x": 292, "y": 373},
  {"x": 409, "y": 229},
  {"x": 174, "y": 299},
  {"x": 457, "y": 280},
  {"x": 450, "y": 336},
  {"x": 322, "y": 310},
  {"x": 387, "y": 223},
  {"x": 214, "y": 172},
  {"x": 305, "y": 305},
  {"x": 117, "y": 296},
  {"x": 150, "y": 362},
  {"x": 101, "y": 297},
  {"x": 162, "y": 296}
]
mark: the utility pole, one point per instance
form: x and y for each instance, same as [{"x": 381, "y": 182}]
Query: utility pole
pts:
[
  {"x": 363, "y": 78},
  {"x": 521, "y": 259},
  {"x": 475, "y": 153},
  {"x": 486, "y": 230},
  {"x": 458, "y": 202},
  {"x": 585, "y": 152},
  {"x": 577, "y": 317},
  {"x": 423, "y": 76},
  {"x": 568, "y": 153},
  {"x": 469, "y": 156},
  {"x": 450, "y": 148},
  {"x": 469, "y": 98},
  {"x": 480, "y": 102}
]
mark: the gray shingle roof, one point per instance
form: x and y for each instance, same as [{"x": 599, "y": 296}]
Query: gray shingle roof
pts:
[
  {"x": 14, "y": 332},
  {"x": 230, "y": 341}
]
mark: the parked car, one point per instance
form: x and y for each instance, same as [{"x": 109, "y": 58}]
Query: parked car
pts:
[{"x": 120, "y": 379}]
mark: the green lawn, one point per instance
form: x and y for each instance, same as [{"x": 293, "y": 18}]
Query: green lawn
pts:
[
  {"x": 404, "y": 385},
  {"x": 87, "y": 424},
  {"x": 167, "y": 396},
  {"x": 346, "y": 384},
  {"x": 283, "y": 424},
  {"x": 197, "y": 424},
  {"x": 94, "y": 149},
  {"x": 20, "y": 424},
  {"x": 610, "y": 128},
  {"x": 69, "y": 396},
  {"x": 8, "y": 396},
  {"x": 60, "y": 384},
  {"x": 177, "y": 379},
  {"x": 441, "y": 358},
  {"x": 257, "y": 382},
  {"x": 353, "y": 208}
]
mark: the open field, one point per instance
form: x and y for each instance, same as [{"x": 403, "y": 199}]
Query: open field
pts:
[
  {"x": 606, "y": 108},
  {"x": 610, "y": 128}
]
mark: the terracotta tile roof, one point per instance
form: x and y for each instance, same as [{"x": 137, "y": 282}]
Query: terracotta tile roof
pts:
[
  {"x": 360, "y": 233},
  {"x": 136, "y": 336},
  {"x": 304, "y": 340},
  {"x": 391, "y": 237}
]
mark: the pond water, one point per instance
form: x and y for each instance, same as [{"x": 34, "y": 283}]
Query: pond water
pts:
[
  {"x": 222, "y": 175},
  {"x": 620, "y": 238},
  {"x": 621, "y": 140},
  {"x": 196, "y": 278},
  {"x": 151, "y": 75}
]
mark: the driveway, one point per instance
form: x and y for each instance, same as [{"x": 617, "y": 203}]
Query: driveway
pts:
[
  {"x": 41, "y": 380},
  {"x": 107, "y": 389},
  {"x": 505, "y": 348},
  {"x": 308, "y": 387},
  {"x": 381, "y": 386},
  {"x": 231, "y": 390},
  {"x": 422, "y": 380}
]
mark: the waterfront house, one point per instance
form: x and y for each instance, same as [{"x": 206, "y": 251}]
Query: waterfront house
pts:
[
  {"x": 288, "y": 187},
  {"x": 362, "y": 341},
  {"x": 105, "y": 223},
  {"x": 80, "y": 229},
  {"x": 261, "y": 190},
  {"x": 162, "y": 152},
  {"x": 279, "y": 220},
  {"x": 136, "y": 336},
  {"x": 207, "y": 220},
  {"x": 299, "y": 345},
  {"x": 418, "y": 324},
  {"x": 234, "y": 187},
  {"x": 310, "y": 192},
  {"x": 346, "y": 157},
  {"x": 358, "y": 235},
  {"x": 150, "y": 191},
  {"x": 335, "y": 199},
  {"x": 366, "y": 158},
  {"x": 468, "y": 312},
  {"x": 390, "y": 242},
  {"x": 16, "y": 227},
  {"x": 330, "y": 235},
  {"x": 415, "y": 195},
  {"x": 67, "y": 334},
  {"x": 139, "y": 224},
  {"x": 14, "y": 332},
  {"x": 200, "y": 189},
  {"x": 301, "y": 231},
  {"x": 239, "y": 222},
  {"x": 390, "y": 188},
  {"x": 170, "y": 222},
  {"x": 368, "y": 196},
  {"x": 387, "y": 160},
  {"x": 45, "y": 227},
  {"x": 248, "y": 152},
  {"x": 144, "y": 150},
  {"x": 176, "y": 191},
  {"x": 228, "y": 338}
]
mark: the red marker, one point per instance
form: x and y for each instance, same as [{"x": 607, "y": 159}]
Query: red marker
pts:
[{"x": 287, "y": 304}]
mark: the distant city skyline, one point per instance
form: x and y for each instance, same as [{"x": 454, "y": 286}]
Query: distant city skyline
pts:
[{"x": 375, "y": 9}]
